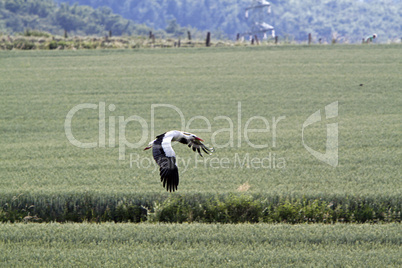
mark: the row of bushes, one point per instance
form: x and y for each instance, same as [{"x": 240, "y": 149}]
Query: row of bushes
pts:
[
  {"x": 30, "y": 40},
  {"x": 93, "y": 43},
  {"x": 231, "y": 208},
  {"x": 30, "y": 44}
]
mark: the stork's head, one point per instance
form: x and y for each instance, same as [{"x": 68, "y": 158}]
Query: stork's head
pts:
[
  {"x": 192, "y": 136},
  {"x": 149, "y": 145}
]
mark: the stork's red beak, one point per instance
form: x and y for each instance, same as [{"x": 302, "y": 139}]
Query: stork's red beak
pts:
[
  {"x": 146, "y": 148},
  {"x": 199, "y": 139}
]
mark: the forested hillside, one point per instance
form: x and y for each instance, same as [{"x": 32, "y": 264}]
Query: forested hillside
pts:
[
  {"x": 349, "y": 19},
  {"x": 46, "y": 15}
]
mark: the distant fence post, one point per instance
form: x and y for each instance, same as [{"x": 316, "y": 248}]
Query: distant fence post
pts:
[
  {"x": 309, "y": 38},
  {"x": 150, "y": 34},
  {"x": 189, "y": 35},
  {"x": 256, "y": 39},
  {"x": 178, "y": 43},
  {"x": 208, "y": 41},
  {"x": 320, "y": 41},
  {"x": 110, "y": 33},
  {"x": 252, "y": 40},
  {"x": 65, "y": 34},
  {"x": 276, "y": 39},
  {"x": 237, "y": 37}
]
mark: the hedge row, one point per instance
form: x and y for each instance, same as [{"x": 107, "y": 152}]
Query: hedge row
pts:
[
  {"x": 51, "y": 43},
  {"x": 226, "y": 208}
]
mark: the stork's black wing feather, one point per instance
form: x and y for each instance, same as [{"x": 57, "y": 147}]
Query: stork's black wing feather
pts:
[
  {"x": 197, "y": 145},
  {"x": 168, "y": 169},
  {"x": 184, "y": 141}
]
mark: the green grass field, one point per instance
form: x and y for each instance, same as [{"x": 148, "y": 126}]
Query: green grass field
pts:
[
  {"x": 40, "y": 167},
  {"x": 39, "y": 88},
  {"x": 199, "y": 245}
]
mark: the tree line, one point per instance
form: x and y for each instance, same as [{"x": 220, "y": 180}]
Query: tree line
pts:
[{"x": 46, "y": 15}]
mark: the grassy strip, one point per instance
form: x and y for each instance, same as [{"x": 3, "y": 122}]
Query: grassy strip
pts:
[
  {"x": 47, "y": 42},
  {"x": 225, "y": 208},
  {"x": 200, "y": 245}
]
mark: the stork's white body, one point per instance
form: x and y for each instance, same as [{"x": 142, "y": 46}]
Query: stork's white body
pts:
[{"x": 165, "y": 156}]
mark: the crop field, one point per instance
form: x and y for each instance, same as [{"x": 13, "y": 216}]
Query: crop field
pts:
[
  {"x": 276, "y": 159},
  {"x": 210, "y": 88},
  {"x": 200, "y": 245}
]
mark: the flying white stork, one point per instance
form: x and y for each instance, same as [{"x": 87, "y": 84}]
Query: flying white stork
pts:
[{"x": 165, "y": 157}]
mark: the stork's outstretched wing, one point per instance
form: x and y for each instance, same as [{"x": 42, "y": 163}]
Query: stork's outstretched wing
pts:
[
  {"x": 197, "y": 145},
  {"x": 166, "y": 159}
]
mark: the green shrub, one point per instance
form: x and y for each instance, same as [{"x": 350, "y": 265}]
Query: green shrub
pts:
[
  {"x": 15, "y": 210},
  {"x": 126, "y": 212},
  {"x": 241, "y": 208},
  {"x": 36, "y": 33},
  {"x": 227, "y": 208},
  {"x": 89, "y": 45},
  {"x": 23, "y": 44},
  {"x": 53, "y": 44}
]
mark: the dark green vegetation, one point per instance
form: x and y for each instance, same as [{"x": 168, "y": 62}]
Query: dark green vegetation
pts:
[
  {"x": 198, "y": 245},
  {"x": 347, "y": 20},
  {"x": 44, "y": 175},
  {"x": 232, "y": 208},
  {"x": 46, "y": 15},
  {"x": 41, "y": 17},
  {"x": 341, "y": 21},
  {"x": 33, "y": 40}
]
